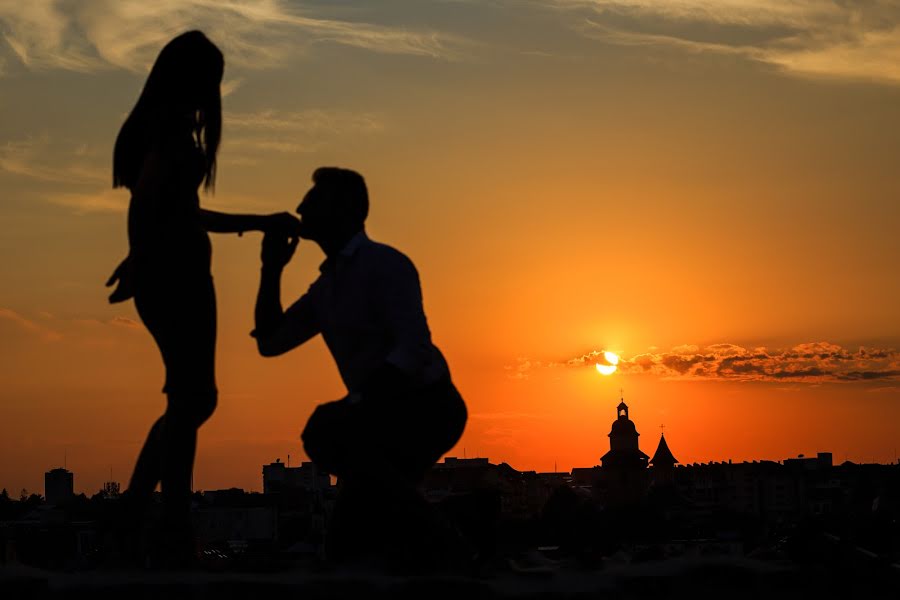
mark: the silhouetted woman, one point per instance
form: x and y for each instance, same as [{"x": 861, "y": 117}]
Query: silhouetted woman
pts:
[{"x": 165, "y": 150}]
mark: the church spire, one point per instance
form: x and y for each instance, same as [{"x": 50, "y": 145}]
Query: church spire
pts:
[{"x": 663, "y": 457}]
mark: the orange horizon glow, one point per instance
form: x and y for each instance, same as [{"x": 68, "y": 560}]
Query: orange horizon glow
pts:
[{"x": 720, "y": 218}]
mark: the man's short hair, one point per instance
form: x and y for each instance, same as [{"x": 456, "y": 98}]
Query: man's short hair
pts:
[{"x": 347, "y": 185}]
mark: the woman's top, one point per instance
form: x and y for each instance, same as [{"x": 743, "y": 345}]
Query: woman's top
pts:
[{"x": 169, "y": 245}]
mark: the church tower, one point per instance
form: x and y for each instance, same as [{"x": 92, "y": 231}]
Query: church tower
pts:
[
  {"x": 624, "y": 467},
  {"x": 624, "y": 436}
]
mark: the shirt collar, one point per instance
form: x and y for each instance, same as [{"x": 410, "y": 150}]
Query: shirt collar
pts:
[
  {"x": 353, "y": 245},
  {"x": 349, "y": 249}
]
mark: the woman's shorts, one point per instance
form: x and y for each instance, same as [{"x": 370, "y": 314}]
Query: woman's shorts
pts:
[{"x": 182, "y": 321}]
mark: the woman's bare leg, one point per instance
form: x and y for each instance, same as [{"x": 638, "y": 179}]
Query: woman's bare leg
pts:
[
  {"x": 185, "y": 414},
  {"x": 148, "y": 468},
  {"x": 179, "y": 449}
]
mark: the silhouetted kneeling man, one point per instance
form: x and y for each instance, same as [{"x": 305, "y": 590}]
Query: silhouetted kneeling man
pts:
[{"x": 402, "y": 412}]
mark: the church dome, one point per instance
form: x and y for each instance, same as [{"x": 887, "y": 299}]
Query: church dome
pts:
[{"x": 623, "y": 426}]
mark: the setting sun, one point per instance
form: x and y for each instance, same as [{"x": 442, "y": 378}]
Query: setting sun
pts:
[{"x": 611, "y": 361}]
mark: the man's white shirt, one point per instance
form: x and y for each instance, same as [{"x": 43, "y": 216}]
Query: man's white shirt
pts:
[{"x": 367, "y": 304}]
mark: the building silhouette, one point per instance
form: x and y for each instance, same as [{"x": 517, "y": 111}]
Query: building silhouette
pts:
[
  {"x": 234, "y": 520},
  {"x": 59, "y": 486},
  {"x": 110, "y": 490},
  {"x": 624, "y": 467},
  {"x": 662, "y": 465},
  {"x": 278, "y": 477},
  {"x": 518, "y": 494}
]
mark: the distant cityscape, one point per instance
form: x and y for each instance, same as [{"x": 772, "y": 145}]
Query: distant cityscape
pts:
[{"x": 630, "y": 504}]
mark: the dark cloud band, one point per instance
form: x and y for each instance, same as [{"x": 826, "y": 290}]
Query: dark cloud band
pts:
[{"x": 814, "y": 362}]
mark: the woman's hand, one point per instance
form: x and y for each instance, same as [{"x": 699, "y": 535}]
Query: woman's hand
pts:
[
  {"x": 278, "y": 249},
  {"x": 124, "y": 275},
  {"x": 283, "y": 224}
]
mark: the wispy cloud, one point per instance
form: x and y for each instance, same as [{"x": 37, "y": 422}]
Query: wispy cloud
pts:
[
  {"x": 254, "y": 133},
  {"x": 60, "y": 167},
  {"x": 306, "y": 121},
  {"x": 125, "y": 322},
  {"x": 46, "y": 327},
  {"x": 249, "y": 137},
  {"x": 735, "y": 12},
  {"x": 815, "y": 362},
  {"x": 505, "y": 437},
  {"x": 101, "y": 201},
  {"x": 504, "y": 416},
  {"x": 31, "y": 158},
  {"x": 87, "y": 36},
  {"x": 28, "y": 326},
  {"x": 855, "y": 40},
  {"x": 230, "y": 86},
  {"x": 40, "y": 34},
  {"x": 523, "y": 368}
]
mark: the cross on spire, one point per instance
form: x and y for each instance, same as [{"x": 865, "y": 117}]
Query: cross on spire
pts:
[{"x": 662, "y": 430}]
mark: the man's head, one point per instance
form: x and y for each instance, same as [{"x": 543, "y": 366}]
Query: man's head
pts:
[{"x": 335, "y": 207}]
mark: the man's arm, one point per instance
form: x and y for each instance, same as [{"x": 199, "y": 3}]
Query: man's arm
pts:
[
  {"x": 278, "y": 331},
  {"x": 268, "y": 312}
]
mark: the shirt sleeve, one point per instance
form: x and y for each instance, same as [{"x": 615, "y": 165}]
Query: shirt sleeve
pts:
[
  {"x": 299, "y": 324},
  {"x": 400, "y": 298}
]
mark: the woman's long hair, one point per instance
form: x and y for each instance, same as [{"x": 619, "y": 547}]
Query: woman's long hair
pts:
[{"x": 183, "y": 83}]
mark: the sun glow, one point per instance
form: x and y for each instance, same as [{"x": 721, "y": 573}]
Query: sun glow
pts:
[{"x": 611, "y": 361}]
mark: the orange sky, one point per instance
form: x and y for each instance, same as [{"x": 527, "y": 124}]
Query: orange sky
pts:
[{"x": 705, "y": 192}]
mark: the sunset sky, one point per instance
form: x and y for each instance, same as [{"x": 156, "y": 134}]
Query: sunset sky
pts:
[{"x": 708, "y": 188}]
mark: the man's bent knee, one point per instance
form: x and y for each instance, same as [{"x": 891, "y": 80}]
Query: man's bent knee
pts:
[{"x": 324, "y": 438}]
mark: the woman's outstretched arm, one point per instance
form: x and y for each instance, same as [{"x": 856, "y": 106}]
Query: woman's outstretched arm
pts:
[{"x": 219, "y": 222}]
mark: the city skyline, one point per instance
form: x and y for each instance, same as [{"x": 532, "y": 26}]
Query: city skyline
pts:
[
  {"x": 708, "y": 192},
  {"x": 660, "y": 445}
]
